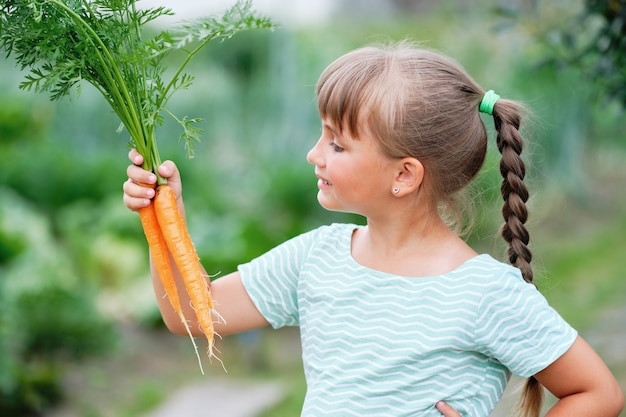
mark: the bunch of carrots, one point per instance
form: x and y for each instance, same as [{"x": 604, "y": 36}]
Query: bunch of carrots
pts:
[{"x": 65, "y": 42}]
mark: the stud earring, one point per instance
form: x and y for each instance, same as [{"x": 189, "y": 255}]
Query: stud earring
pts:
[{"x": 396, "y": 190}]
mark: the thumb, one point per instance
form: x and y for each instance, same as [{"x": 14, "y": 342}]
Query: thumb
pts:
[{"x": 170, "y": 172}]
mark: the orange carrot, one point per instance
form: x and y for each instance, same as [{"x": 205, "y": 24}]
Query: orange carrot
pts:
[
  {"x": 161, "y": 259},
  {"x": 160, "y": 255},
  {"x": 183, "y": 252}
]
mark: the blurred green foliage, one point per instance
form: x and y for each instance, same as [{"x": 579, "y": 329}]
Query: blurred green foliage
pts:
[
  {"x": 47, "y": 311},
  {"x": 596, "y": 43},
  {"x": 73, "y": 261}
]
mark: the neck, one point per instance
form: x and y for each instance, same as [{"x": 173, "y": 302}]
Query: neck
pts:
[
  {"x": 417, "y": 246},
  {"x": 399, "y": 236}
]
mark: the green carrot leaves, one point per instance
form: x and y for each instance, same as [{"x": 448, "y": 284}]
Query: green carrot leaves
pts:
[{"x": 65, "y": 42}]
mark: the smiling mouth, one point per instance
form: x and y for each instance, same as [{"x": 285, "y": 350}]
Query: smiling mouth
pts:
[{"x": 322, "y": 183}]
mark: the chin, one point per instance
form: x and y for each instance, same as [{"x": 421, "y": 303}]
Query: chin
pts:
[
  {"x": 328, "y": 205},
  {"x": 332, "y": 206}
]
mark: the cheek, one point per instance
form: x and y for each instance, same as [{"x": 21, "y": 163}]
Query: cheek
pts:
[
  {"x": 348, "y": 180},
  {"x": 338, "y": 171}
]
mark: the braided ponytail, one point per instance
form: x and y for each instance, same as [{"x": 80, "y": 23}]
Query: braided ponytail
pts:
[
  {"x": 514, "y": 191},
  {"x": 507, "y": 119}
]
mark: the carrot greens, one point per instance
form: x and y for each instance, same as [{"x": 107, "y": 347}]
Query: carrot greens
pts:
[{"x": 65, "y": 42}]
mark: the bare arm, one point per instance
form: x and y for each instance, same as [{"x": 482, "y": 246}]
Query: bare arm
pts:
[
  {"x": 583, "y": 384},
  {"x": 237, "y": 312},
  {"x": 580, "y": 380}
]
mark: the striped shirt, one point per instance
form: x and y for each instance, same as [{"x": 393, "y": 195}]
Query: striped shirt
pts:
[{"x": 376, "y": 344}]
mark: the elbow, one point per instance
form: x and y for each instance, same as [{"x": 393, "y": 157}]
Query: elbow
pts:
[
  {"x": 619, "y": 401},
  {"x": 177, "y": 327},
  {"x": 614, "y": 399}
]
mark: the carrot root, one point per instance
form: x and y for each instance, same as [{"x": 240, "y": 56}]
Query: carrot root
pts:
[
  {"x": 160, "y": 254},
  {"x": 161, "y": 259},
  {"x": 183, "y": 252}
]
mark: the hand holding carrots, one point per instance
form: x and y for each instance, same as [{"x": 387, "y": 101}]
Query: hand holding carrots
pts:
[{"x": 139, "y": 189}]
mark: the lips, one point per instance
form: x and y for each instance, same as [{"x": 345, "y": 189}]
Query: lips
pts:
[{"x": 323, "y": 183}]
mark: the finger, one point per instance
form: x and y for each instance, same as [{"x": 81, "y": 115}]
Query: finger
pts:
[
  {"x": 140, "y": 176},
  {"x": 134, "y": 203},
  {"x": 138, "y": 190},
  {"x": 446, "y": 409},
  {"x": 135, "y": 157},
  {"x": 136, "y": 195}
]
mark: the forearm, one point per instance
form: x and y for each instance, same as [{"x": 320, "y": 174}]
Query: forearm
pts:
[
  {"x": 605, "y": 403},
  {"x": 234, "y": 310},
  {"x": 583, "y": 384}
]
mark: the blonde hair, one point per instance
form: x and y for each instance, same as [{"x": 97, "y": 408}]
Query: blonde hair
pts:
[{"x": 417, "y": 102}]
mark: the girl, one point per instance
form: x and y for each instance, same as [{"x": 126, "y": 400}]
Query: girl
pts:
[{"x": 400, "y": 315}]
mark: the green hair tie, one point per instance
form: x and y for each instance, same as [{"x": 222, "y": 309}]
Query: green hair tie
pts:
[{"x": 488, "y": 101}]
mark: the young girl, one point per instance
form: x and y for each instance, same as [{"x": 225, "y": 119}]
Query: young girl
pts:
[{"x": 401, "y": 317}]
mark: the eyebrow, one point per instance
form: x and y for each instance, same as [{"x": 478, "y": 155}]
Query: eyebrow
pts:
[{"x": 330, "y": 127}]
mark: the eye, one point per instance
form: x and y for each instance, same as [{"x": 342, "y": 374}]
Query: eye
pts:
[{"x": 336, "y": 147}]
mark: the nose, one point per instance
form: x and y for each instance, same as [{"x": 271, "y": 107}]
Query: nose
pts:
[{"x": 314, "y": 156}]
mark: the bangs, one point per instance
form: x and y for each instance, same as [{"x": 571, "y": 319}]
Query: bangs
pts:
[{"x": 350, "y": 86}]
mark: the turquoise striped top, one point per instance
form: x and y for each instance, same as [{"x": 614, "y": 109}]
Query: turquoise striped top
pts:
[{"x": 376, "y": 344}]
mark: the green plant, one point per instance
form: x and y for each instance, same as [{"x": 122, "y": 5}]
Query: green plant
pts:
[
  {"x": 603, "y": 56},
  {"x": 47, "y": 312},
  {"x": 65, "y": 42}
]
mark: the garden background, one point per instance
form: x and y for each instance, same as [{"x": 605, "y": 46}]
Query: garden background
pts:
[{"x": 80, "y": 334}]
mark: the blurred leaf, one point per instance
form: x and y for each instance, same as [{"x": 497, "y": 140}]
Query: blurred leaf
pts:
[{"x": 48, "y": 314}]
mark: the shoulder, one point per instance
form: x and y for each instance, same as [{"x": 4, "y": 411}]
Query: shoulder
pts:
[
  {"x": 486, "y": 270},
  {"x": 330, "y": 234},
  {"x": 336, "y": 229},
  {"x": 323, "y": 237},
  {"x": 491, "y": 279},
  {"x": 503, "y": 288}
]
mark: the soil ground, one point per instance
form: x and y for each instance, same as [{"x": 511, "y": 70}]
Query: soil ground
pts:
[{"x": 156, "y": 374}]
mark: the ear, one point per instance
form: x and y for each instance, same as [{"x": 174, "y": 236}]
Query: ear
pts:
[{"x": 409, "y": 176}]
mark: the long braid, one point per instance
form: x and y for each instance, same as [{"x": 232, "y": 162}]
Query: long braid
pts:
[
  {"x": 515, "y": 194},
  {"x": 514, "y": 191}
]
